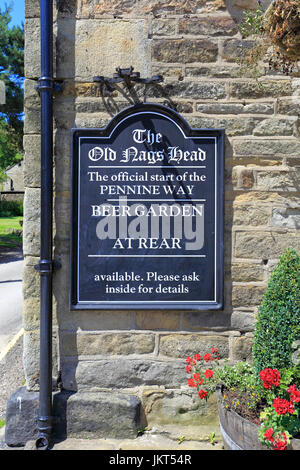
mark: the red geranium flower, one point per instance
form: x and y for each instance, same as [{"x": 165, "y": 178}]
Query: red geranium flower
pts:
[
  {"x": 294, "y": 394},
  {"x": 270, "y": 378},
  {"x": 269, "y": 435},
  {"x": 280, "y": 444},
  {"x": 283, "y": 406},
  {"x": 207, "y": 357},
  {"x": 197, "y": 357},
  {"x": 190, "y": 361},
  {"x": 208, "y": 374},
  {"x": 191, "y": 383},
  {"x": 291, "y": 409},
  {"x": 202, "y": 394}
]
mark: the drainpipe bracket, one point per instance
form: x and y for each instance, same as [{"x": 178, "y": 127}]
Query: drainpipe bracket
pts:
[
  {"x": 47, "y": 266},
  {"x": 48, "y": 84}
]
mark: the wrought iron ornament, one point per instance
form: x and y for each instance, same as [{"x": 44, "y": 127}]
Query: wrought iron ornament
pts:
[{"x": 127, "y": 76}]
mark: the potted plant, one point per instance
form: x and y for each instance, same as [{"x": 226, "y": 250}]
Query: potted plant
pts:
[
  {"x": 276, "y": 32},
  {"x": 259, "y": 403},
  {"x": 282, "y": 24}
]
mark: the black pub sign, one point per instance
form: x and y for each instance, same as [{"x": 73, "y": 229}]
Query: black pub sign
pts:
[{"x": 147, "y": 213}]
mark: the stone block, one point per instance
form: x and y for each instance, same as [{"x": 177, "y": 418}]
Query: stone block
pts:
[
  {"x": 260, "y": 89},
  {"x": 275, "y": 127},
  {"x": 258, "y": 108},
  {"x": 247, "y": 295},
  {"x": 111, "y": 43},
  {"x": 264, "y": 245},
  {"x": 219, "y": 108},
  {"x": 253, "y": 197},
  {"x": 66, "y": 8},
  {"x": 266, "y": 147},
  {"x": 64, "y": 113},
  {"x": 293, "y": 162},
  {"x": 96, "y": 8},
  {"x": 265, "y": 161},
  {"x": 65, "y": 48},
  {"x": 31, "y": 227},
  {"x": 213, "y": 70},
  {"x": 185, "y": 50},
  {"x": 286, "y": 217},
  {"x": 243, "y": 320},
  {"x": 62, "y": 215},
  {"x": 208, "y": 26},
  {"x": 278, "y": 180},
  {"x": 100, "y": 8},
  {"x": 107, "y": 344},
  {"x": 199, "y": 90},
  {"x": 242, "y": 348},
  {"x": 62, "y": 161},
  {"x": 192, "y": 321},
  {"x": 231, "y": 177},
  {"x": 163, "y": 27},
  {"x": 183, "y": 107},
  {"x": 249, "y": 215},
  {"x": 61, "y": 8},
  {"x": 168, "y": 71},
  {"x": 32, "y": 58},
  {"x": 96, "y": 415},
  {"x": 125, "y": 373},
  {"x": 94, "y": 120},
  {"x": 245, "y": 178},
  {"x": 31, "y": 313},
  {"x": 201, "y": 122},
  {"x": 181, "y": 346},
  {"x": 32, "y": 159},
  {"x": 246, "y": 272},
  {"x": 95, "y": 320},
  {"x": 85, "y": 415},
  {"x": 31, "y": 278},
  {"x": 32, "y": 107},
  {"x": 73, "y": 89},
  {"x": 177, "y": 407},
  {"x": 236, "y": 126},
  {"x": 32, "y": 8},
  {"x": 156, "y": 320},
  {"x": 237, "y": 7},
  {"x": 21, "y": 417},
  {"x": 289, "y": 106},
  {"x": 234, "y": 49},
  {"x": 31, "y": 359}
]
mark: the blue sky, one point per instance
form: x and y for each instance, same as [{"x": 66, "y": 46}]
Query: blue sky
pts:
[{"x": 17, "y": 13}]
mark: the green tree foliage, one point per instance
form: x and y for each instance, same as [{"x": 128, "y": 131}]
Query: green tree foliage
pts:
[
  {"x": 278, "y": 321},
  {"x": 12, "y": 73}
]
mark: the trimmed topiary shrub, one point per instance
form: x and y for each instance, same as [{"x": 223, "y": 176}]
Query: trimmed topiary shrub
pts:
[{"x": 278, "y": 320}]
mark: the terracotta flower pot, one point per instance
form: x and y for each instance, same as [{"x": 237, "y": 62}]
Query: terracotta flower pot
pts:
[{"x": 239, "y": 433}]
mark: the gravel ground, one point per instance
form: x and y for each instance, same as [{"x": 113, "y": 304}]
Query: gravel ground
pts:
[
  {"x": 11, "y": 375},
  {"x": 11, "y": 378},
  {"x": 11, "y": 367}
]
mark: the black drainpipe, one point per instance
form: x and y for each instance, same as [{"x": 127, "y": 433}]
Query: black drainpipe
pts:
[{"x": 45, "y": 266}]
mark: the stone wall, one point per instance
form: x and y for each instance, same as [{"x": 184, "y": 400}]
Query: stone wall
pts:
[{"x": 194, "y": 44}]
